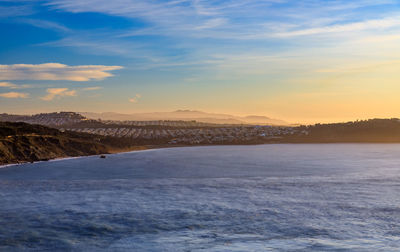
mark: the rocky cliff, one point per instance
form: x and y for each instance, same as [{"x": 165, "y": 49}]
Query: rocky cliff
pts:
[{"x": 21, "y": 142}]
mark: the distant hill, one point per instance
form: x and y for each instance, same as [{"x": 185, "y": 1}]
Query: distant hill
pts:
[
  {"x": 48, "y": 119},
  {"x": 365, "y": 131},
  {"x": 188, "y": 115}
]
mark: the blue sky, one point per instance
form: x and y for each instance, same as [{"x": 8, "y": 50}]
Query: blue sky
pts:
[{"x": 296, "y": 60}]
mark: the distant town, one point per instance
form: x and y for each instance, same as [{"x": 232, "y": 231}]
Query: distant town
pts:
[{"x": 159, "y": 131}]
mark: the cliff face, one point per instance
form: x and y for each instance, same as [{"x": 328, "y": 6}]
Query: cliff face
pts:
[{"x": 21, "y": 142}]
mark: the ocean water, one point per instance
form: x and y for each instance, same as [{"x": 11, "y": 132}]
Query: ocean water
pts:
[{"x": 302, "y": 197}]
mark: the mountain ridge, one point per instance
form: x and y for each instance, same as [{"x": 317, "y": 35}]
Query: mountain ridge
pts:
[{"x": 189, "y": 115}]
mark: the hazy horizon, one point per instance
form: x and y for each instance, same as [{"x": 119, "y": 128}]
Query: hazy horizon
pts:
[
  {"x": 289, "y": 122},
  {"x": 301, "y": 62}
]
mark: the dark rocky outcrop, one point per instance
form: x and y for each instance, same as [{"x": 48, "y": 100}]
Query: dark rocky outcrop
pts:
[{"x": 21, "y": 142}]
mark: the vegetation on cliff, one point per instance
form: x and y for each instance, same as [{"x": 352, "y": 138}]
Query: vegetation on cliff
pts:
[
  {"x": 22, "y": 142},
  {"x": 364, "y": 131}
]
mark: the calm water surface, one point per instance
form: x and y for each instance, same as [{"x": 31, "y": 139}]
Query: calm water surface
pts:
[{"x": 334, "y": 197}]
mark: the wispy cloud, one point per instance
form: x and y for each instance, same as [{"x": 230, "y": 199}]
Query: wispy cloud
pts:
[
  {"x": 14, "y": 95},
  {"x": 13, "y": 86},
  {"x": 190, "y": 18},
  {"x": 103, "y": 43},
  {"x": 91, "y": 88},
  {"x": 350, "y": 27},
  {"x": 231, "y": 27},
  {"x": 212, "y": 23},
  {"x": 363, "y": 68},
  {"x": 225, "y": 25},
  {"x": 55, "y": 71},
  {"x": 53, "y": 93},
  {"x": 45, "y": 24},
  {"x": 135, "y": 99},
  {"x": 220, "y": 19},
  {"x": 15, "y": 10}
]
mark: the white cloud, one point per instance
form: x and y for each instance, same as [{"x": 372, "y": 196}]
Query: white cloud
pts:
[
  {"x": 58, "y": 92},
  {"x": 13, "y": 86},
  {"x": 135, "y": 99},
  {"x": 14, "y": 95},
  {"x": 55, "y": 71}
]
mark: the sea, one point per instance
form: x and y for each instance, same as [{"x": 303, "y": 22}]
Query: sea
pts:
[{"x": 277, "y": 197}]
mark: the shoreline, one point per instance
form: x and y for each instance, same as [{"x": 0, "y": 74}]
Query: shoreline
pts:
[
  {"x": 158, "y": 147},
  {"x": 112, "y": 152}
]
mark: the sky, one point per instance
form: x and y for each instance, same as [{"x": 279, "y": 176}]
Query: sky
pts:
[{"x": 301, "y": 61}]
